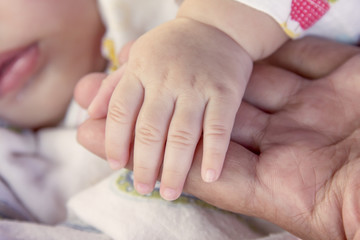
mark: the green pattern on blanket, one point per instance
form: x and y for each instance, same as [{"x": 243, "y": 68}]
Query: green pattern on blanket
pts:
[{"x": 124, "y": 183}]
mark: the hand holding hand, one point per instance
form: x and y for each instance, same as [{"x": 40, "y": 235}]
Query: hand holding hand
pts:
[{"x": 294, "y": 155}]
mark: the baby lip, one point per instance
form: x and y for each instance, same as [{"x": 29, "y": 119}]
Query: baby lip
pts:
[
  {"x": 5, "y": 64},
  {"x": 16, "y": 66},
  {"x": 7, "y": 57}
]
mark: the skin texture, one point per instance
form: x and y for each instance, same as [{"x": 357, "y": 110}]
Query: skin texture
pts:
[
  {"x": 67, "y": 35},
  {"x": 294, "y": 154},
  {"x": 184, "y": 80}
]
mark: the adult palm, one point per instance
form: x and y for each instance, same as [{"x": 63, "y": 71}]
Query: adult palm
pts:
[{"x": 294, "y": 158}]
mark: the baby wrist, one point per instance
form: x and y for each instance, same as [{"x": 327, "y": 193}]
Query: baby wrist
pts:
[{"x": 256, "y": 32}]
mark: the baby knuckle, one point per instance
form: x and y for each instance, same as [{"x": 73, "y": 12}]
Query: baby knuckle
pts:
[
  {"x": 221, "y": 89},
  {"x": 119, "y": 113},
  {"x": 148, "y": 134},
  {"x": 166, "y": 75},
  {"x": 225, "y": 96},
  {"x": 181, "y": 139},
  {"x": 135, "y": 66},
  {"x": 216, "y": 130},
  {"x": 175, "y": 174},
  {"x": 141, "y": 169}
]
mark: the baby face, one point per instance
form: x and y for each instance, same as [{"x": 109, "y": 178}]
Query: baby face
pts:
[{"x": 46, "y": 46}]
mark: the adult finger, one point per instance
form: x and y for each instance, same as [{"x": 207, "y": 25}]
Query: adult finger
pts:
[
  {"x": 250, "y": 124},
  {"x": 87, "y": 88},
  {"x": 124, "y": 52},
  {"x": 271, "y": 87},
  {"x": 344, "y": 83},
  {"x": 312, "y": 57},
  {"x": 345, "y": 79},
  {"x": 236, "y": 188},
  {"x": 333, "y": 104},
  {"x": 91, "y": 135}
]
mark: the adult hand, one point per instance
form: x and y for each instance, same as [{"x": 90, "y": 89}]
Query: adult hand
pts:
[{"x": 294, "y": 156}]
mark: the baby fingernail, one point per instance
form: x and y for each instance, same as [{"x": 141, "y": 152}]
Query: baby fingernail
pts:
[
  {"x": 114, "y": 164},
  {"x": 143, "y": 188},
  {"x": 210, "y": 176},
  {"x": 169, "y": 194}
]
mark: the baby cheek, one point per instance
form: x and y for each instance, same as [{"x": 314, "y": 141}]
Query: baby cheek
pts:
[{"x": 38, "y": 109}]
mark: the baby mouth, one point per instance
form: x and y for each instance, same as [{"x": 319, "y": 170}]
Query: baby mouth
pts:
[
  {"x": 16, "y": 66},
  {"x": 4, "y": 66}
]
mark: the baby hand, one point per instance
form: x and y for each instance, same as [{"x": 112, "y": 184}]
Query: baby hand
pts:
[{"x": 183, "y": 80}]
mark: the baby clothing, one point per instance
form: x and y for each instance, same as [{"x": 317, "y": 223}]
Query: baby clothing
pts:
[{"x": 334, "y": 19}]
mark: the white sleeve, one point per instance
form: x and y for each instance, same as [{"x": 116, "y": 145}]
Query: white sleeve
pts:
[
  {"x": 294, "y": 16},
  {"x": 334, "y": 19}
]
